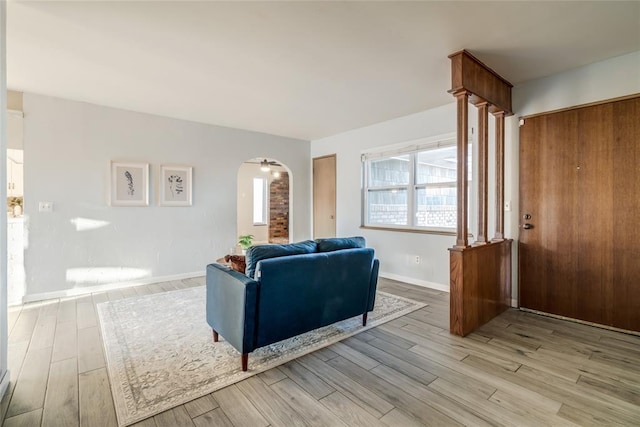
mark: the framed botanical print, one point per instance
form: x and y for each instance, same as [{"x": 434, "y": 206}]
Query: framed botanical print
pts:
[
  {"x": 129, "y": 184},
  {"x": 176, "y": 185}
]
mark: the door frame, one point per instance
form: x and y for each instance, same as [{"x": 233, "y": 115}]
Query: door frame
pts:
[{"x": 335, "y": 193}]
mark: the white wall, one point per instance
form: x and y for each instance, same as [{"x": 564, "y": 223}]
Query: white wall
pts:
[
  {"x": 395, "y": 249},
  {"x": 68, "y": 146},
  {"x": 599, "y": 81},
  {"x": 14, "y": 130},
  {"x": 246, "y": 173},
  {"x": 603, "y": 80},
  {"x": 4, "y": 376}
]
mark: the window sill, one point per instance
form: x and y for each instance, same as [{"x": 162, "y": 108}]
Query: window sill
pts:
[{"x": 411, "y": 230}]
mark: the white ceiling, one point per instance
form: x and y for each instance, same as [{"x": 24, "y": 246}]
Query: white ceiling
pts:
[{"x": 298, "y": 69}]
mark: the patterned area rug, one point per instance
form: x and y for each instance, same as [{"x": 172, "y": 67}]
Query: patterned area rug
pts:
[{"x": 160, "y": 353}]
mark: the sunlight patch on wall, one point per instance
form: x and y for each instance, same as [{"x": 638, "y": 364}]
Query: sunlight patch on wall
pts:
[
  {"x": 96, "y": 275},
  {"x": 85, "y": 224}
]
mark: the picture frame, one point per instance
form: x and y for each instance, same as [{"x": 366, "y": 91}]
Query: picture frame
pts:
[
  {"x": 176, "y": 185},
  {"x": 129, "y": 184}
]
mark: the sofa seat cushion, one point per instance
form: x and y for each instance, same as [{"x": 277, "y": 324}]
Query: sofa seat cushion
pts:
[
  {"x": 338, "y": 243},
  {"x": 260, "y": 252}
]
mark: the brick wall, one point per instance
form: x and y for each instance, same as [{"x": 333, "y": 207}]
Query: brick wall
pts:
[
  {"x": 279, "y": 209},
  {"x": 433, "y": 216}
]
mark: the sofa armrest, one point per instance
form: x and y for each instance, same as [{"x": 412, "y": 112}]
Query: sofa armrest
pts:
[
  {"x": 231, "y": 306},
  {"x": 373, "y": 284}
]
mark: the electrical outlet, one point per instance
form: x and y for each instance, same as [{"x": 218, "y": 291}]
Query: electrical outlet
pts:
[
  {"x": 418, "y": 259},
  {"x": 45, "y": 207}
]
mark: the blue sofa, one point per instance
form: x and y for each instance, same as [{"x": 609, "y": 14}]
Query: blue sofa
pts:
[{"x": 289, "y": 290}]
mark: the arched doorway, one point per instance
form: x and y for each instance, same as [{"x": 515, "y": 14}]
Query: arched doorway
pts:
[{"x": 264, "y": 201}]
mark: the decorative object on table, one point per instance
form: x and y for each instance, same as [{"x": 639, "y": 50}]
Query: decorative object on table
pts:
[
  {"x": 156, "y": 363},
  {"x": 237, "y": 262},
  {"x": 129, "y": 184},
  {"x": 245, "y": 241},
  {"x": 176, "y": 185},
  {"x": 320, "y": 287}
]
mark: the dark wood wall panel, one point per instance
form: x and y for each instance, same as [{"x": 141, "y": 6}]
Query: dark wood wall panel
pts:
[
  {"x": 480, "y": 281},
  {"x": 594, "y": 179},
  {"x": 580, "y": 182},
  {"x": 625, "y": 291}
]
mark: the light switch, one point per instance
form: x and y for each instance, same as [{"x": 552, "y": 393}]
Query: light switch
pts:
[
  {"x": 45, "y": 207},
  {"x": 507, "y": 206}
]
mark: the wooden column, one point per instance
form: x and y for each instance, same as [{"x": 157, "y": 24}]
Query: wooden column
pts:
[
  {"x": 499, "y": 118},
  {"x": 462, "y": 98},
  {"x": 480, "y": 275},
  {"x": 483, "y": 171}
]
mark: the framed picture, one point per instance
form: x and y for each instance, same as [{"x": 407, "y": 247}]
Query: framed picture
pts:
[
  {"x": 129, "y": 184},
  {"x": 176, "y": 185}
]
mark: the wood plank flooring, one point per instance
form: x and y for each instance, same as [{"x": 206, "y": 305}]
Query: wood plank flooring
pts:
[{"x": 520, "y": 369}]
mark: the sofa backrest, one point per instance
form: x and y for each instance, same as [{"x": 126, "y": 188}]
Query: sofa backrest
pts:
[
  {"x": 260, "y": 252},
  {"x": 330, "y": 244},
  {"x": 303, "y": 292}
]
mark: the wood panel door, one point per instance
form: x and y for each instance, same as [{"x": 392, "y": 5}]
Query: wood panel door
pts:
[
  {"x": 324, "y": 196},
  {"x": 579, "y": 199}
]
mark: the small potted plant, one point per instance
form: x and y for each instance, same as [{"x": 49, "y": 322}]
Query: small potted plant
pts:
[{"x": 245, "y": 242}]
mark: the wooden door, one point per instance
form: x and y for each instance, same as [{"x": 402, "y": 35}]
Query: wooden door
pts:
[
  {"x": 579, "y": 199},
  {"x": 547, "y": 204},
  {"x": 324, "y": 196}
]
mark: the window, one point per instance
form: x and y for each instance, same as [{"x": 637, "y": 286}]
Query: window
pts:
[
  {"x": 259, "y": 201},
  {"x": 412, "y": 186}
]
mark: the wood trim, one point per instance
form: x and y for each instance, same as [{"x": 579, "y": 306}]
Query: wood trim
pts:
[
  {"x": 499, "y": 121},
  {"x": 325, "y": 156},
  {"x": 462, "y": 99},
  {"x": 485, "y": 66},
  {"x": 483, "y": 172},
  {"x": 589, "y": 104},
  {"x": 483, "y": 84}
]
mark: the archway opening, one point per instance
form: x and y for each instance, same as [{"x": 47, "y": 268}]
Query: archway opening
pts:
[{"x": 264, "y": 201}]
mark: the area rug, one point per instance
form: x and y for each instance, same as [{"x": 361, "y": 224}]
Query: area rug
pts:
[{"x": 160, "y": 353}]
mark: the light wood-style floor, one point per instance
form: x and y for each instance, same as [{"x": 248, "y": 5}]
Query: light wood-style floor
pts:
[{"x": 520, "y": 369}]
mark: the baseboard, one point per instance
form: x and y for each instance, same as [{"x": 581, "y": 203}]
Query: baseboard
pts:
[
  {"x": 412, "y": 281},
  {"x": 107, "y": 287},
  {"x": 582, "y": 322},
  {"x": 514, "y": 303}
]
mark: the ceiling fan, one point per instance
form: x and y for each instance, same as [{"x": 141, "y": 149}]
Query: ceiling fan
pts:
[{"x": 265, "y": 165}]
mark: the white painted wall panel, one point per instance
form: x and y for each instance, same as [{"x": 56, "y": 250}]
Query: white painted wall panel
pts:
[
  {"x": 395, "y": 249},
  {"x": 68, "y": 147}
]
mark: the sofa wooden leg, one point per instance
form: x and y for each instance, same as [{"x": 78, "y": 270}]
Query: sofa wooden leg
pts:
[
  {"x": 245, "y": 361},
  {"x": 364, "y": 319},
  {"x": 215, "y": 335}
]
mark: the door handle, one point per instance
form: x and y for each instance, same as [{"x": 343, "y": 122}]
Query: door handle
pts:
[{"x": 527, "y": 226}]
